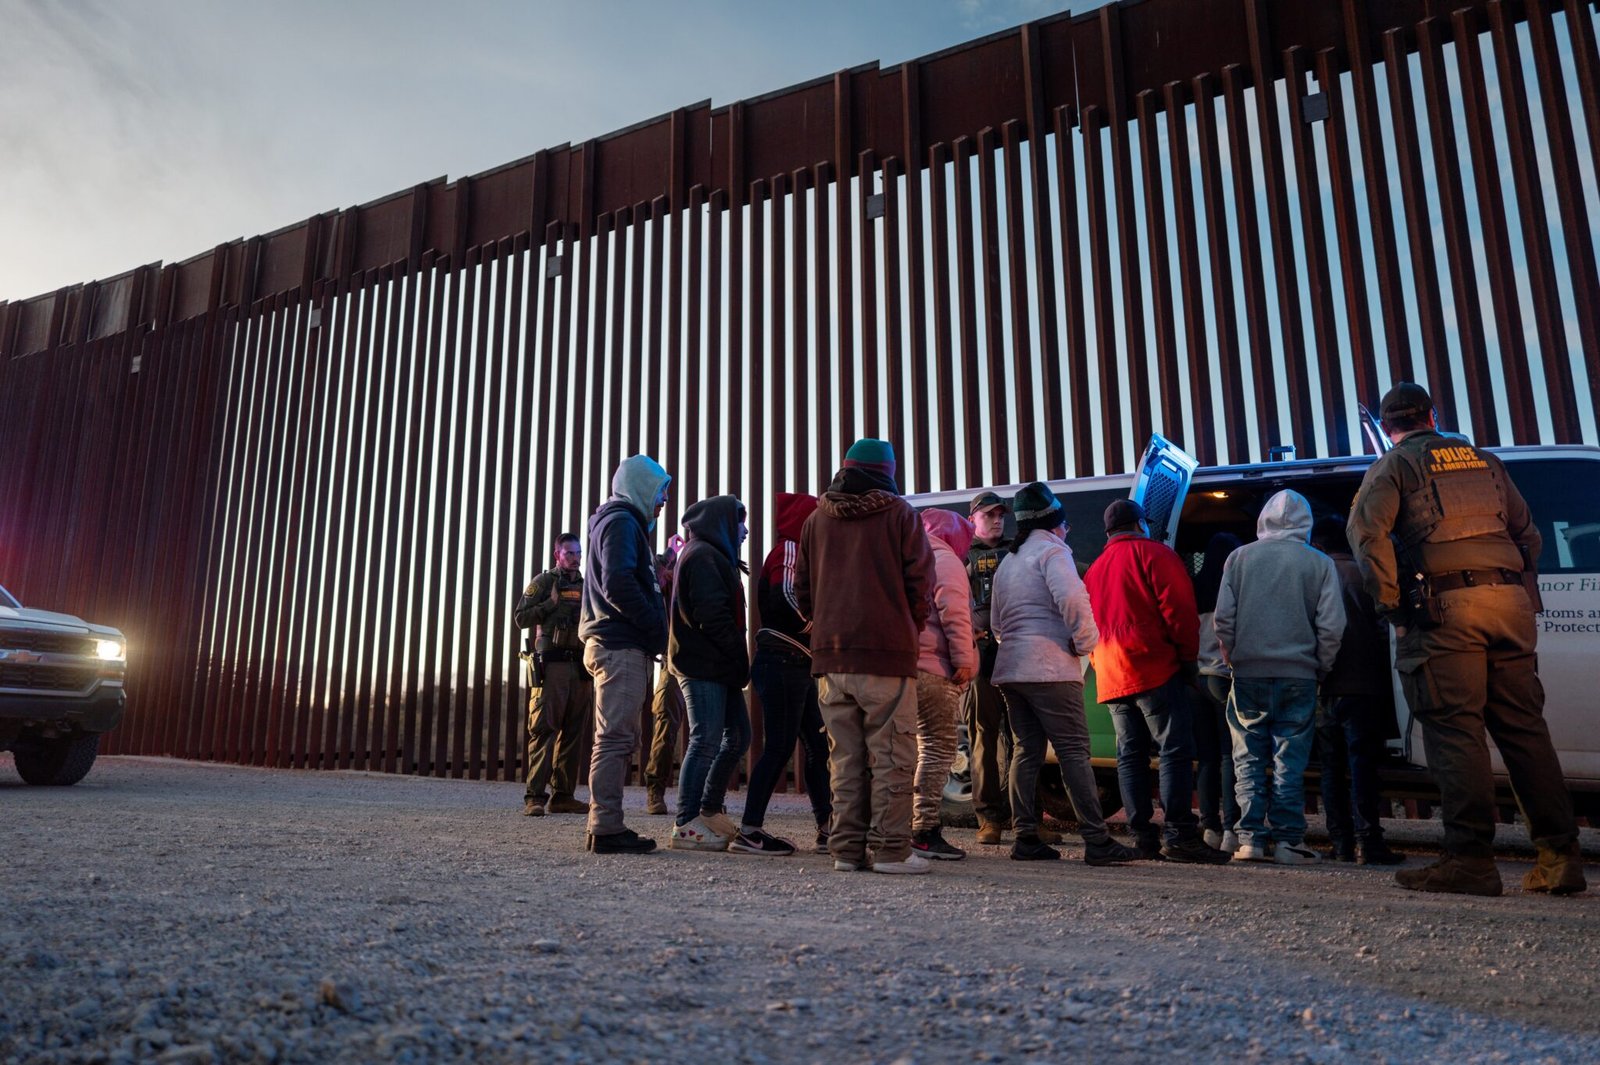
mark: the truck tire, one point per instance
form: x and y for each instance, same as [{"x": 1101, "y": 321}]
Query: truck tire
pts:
[{"x": 58, "y": 762}]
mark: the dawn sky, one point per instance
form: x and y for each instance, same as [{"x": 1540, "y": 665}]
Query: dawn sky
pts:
[{"x": 137, "y": 132}]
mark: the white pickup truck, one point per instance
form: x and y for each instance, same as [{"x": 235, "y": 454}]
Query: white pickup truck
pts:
[{"x": 60, "y": 689}]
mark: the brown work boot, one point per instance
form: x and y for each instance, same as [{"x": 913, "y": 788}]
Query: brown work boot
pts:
[
  {"x": 990, "y": 833},
  {"x": 566, "y": 804},
  {"x": 655, "y": 801},
  {"x": 1559, "y": 871},
  {"x": 1455, "y": 875},
  {"x": 533, "y": 807}
]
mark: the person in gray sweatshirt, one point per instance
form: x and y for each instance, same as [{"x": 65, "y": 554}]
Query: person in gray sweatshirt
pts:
[{"x": 1279, "y": 620}]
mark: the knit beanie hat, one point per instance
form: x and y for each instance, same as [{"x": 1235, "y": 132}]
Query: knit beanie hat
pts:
[
  {"x": 1036, "y": 507},
  {"x": 1123, "y": 515},
  {"x": 870, "y": 454}
]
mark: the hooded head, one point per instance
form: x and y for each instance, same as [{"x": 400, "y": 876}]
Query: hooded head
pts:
[
  {"x": 950, "y": 527},
  {"x": 716, "y": 521},
  {"x": 870, "y": 454},
  {"x": 793, "y": 510},
  {"x": 1287, "y": 516},
  {"x": 642, "y": 483}
]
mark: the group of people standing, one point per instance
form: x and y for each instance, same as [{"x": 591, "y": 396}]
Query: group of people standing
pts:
[{"x": 883, "y": 627}]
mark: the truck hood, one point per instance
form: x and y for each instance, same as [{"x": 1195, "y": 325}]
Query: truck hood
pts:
[{"x": 33, "y": 618}]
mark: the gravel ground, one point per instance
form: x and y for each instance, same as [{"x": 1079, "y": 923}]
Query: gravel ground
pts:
[{"x": 176, "y": 912}]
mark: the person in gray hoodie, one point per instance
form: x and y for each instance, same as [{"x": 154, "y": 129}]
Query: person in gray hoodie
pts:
[
  {"x": 623, "y": 624},
  {"x": 1279, "y": 620}
]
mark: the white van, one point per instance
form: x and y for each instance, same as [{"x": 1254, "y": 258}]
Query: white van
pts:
[{"x": 1187, "y": 504}]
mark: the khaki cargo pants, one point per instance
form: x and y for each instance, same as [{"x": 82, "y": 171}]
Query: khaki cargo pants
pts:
[{"x": 872, "y": 757}]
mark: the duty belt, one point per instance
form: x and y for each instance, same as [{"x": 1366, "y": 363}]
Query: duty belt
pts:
[
  {"x": 1471, "y": 578},
  {"x": 558, "y": 654}
]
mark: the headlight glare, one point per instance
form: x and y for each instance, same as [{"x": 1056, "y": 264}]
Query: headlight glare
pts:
[{"x": 109, "y": 650}]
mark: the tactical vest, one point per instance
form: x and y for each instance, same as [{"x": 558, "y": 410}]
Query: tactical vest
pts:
[
  {"x": 981, "y": 564},
  {"x": 1460, "y": 495},
  {"x": 560, "y": 630}
]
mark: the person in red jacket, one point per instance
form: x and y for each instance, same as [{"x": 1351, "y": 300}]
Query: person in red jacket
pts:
[{"x": 1143, "y": 604}]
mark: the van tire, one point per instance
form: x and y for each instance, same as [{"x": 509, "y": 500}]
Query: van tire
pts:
[
  {"x": 1054, "y": 801},
  {"x": 59, "y": 762}
]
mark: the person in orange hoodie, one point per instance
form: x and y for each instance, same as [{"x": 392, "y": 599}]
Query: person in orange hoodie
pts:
[
  {"x": 947, "y": 661},
  {"x": 1147, "y": 658}
]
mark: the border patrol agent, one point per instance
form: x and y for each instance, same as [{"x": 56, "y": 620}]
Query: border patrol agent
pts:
[
  {"x": 1456, "y": 581},
  {"x": 561, "y": 705}
]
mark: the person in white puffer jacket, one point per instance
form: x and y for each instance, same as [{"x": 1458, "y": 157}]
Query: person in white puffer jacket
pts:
[{"x": 1040, "y": 614}]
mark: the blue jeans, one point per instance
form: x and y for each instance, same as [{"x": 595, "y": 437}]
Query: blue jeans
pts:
[
  {"x": 1350, "y": 734},
  {"x": 719, "y": 734},
  {"x": 1157, "y": 721},
  {"x": 1271, "y": 720},
  {"x": 788, "y": 694}
]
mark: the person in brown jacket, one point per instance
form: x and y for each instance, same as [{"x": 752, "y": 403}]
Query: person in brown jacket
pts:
[{"x": 862, "y": 578}]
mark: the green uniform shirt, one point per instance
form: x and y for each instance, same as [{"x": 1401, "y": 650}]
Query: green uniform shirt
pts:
[
  {"x": 1451, "y": 506},
  {"x": 554, "y": 613}
]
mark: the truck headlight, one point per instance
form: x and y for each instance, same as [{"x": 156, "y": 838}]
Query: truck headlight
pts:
[{"x": 109, "y": 650}]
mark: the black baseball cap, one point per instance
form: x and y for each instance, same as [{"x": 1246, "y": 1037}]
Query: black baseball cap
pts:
[
  {"x": 1404, "y": 398},
  {"x": 983, "y": 501}
]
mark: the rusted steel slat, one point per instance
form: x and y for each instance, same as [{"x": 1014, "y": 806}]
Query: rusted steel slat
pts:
[
  {"x": 1570, "y": 200},
  {"x": 1586, "y": 64},
  {"x": 446, "y": 746},
  {"x": 893, "y": 362},
  {"x": 623, "y": 376},
  {"x": 1513, "y": 349},
  {"x": 1026, "y": 433},
  {"x": 422, "y": 687},
  {"x": 471, "y": 665},
  {"x": 1077, "y": 345},
  {"x": 1557, "y": 387},
  {"x": 674, "y": 427},
  {"x": 822, "y": 324},
  {"x": 1380, "y": 210},
  {"x": 1044, "y": 279},
  {"x": 804, "y": 431},
  {"x": 867, "y": 265},
  {"x": 843, "y": 159},
  {"x": 1248, "y": 242},
  {"x": 967, "y": 308},
  {"x": 780, "y": 400},
  {"x": 581, "y": 499},
  {"x": 658, "y": 335},
  {"x": 1117, "y": 96},
  {"x": 1423, "y": 267},
  {"x": 911, "y": 160},
  {"x": 1168, "y": 384},
  {"x": 692, "y": 415},
  {"x": 1180, "y": 175},
  {"x": 1348, "y": 232},
  {"x": 757, "y": 408},
  {"x": 999, "y": 429},
  {"x": 1463, "y": 277},
  {"x": 500, "y": 583},
  {"x": 739, "y": 410},
  {"x": 944, "y": 355},
  {"x": 1335, "y": 418},
  {"x": 717, "y": 436},
  {"x": 646, "y": 390},
  {"x": 522, "y": 492},
  {"x": 1290, "y": 328},
  {"x": 1112, "y": 401}
]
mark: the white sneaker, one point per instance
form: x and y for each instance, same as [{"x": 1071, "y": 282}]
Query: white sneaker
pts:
[
  {"x": 842, "y": 866},
  {"x": 696, "y": 836},
  {"x": 1252, "y": 852},
  {"x": 1230, "y": 842},
  {"x": 1213, "y": 839},
  {"x": 913, "y": 863},
  {"x": 720, "y": 823},
  {"x": 1296, "y": 854}
]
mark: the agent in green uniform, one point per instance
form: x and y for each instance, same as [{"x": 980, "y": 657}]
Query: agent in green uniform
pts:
[
  {"x": 1443, "y": 539},
  {"x": 561, "y": 705}
]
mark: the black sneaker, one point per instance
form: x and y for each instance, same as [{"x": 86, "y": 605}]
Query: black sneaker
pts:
[
  {"x": 755, "y": 841},
  {"x": 930, "y": 843},
  {"x": 1377, "y": 852},
  {"x": 1109, "y": 852},
  {"x": 1150, "y": 849},
  {"x": 1194, "y": 852},
  {"x": 625, "y": 842},
  {"x": 823, "y": 832},
  {"x": 1030, "y": 849}
]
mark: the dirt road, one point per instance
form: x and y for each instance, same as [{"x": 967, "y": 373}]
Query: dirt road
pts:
[{"x": 179, "y": 912}]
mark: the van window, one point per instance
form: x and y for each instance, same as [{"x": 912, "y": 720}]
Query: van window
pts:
[{"x": 1564, "y": 496}]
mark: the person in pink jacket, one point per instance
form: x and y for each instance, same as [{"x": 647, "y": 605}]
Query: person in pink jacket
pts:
[{"x": 947, "y": 661}]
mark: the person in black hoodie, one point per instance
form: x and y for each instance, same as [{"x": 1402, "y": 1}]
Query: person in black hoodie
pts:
[
  {"x": 780, "y": 673},
  {"x": 623, "y": 625},
  {"x": 707, "y": 652}
]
